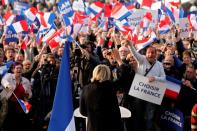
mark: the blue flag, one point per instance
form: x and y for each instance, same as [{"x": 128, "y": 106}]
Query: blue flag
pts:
[{"x": 62, "y": 118}]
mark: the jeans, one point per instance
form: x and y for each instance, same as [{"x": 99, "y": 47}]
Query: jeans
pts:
[{"x": 144, "y": 115}]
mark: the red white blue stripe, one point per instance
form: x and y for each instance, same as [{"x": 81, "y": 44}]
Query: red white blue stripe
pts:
[
  {"x": 164, "y": 24},
  {"x": 120, "y": 12},
  {"x": 173, "y": 87},
  {"x": 46, "y": 19},
  {"x": 24, "y": 105},
  {"x": 169, "y": 11},
  {"x": 9, "y": 18},
  {"x": 95, "y": 9},
  {"x": 19, "y": 26},
  {"x": 140, "y": 44},
  {"x": 31, "y": 13},
  {"x": 146, "y": 21},
  {"x": 62, "y": 116},
  {"x": 5, "y": 2}
]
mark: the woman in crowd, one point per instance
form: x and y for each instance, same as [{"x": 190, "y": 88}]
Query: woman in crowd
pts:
[
  {"x": 16, "y": 87},
  {"x": 99, "y": 102}
]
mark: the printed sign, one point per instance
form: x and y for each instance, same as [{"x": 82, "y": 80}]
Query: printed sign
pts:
[
  {"x": 138, "y": 15},
  {"x": 149, "y": 91},
  {"x": 10, "y": 36},
  {"x": 172, "y": 119}
]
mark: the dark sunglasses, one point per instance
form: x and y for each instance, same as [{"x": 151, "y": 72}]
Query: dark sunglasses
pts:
[{"x": 167, "y": 63}]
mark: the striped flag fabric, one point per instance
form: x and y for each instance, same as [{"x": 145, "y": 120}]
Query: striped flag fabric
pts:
[
  {"x": 173, "y": 87},
  {"x": 146, "y": 21},
  {"x": 164, "y": 24},
  {"x": 25, "y": 105},
  {"x": 62, "y": 117},
  {"x": 19, "y": 26},
  {"x": 95, "y": 9},
  {"x": 122, "y": 26},
  {"x": 5, "y": 2},
  {"x": 55, "y": 42},
  {"x": 9, "y": 18},
  {"x": 48, "y": 35},
  {"x": 169, "y": 11},
  {"x": 31, "y": 13},
  {"x": 46, "y": 19},
  {"x": 147, "y": 4},
  {"x": 103, "y": 24},
  {"x": 79, "y": 17},
  {"x": 140, "y": 44},
  {"x": 120, "y": 12},
  {"x": 52, "y": 34},
  {"x": 192, "y": 18}
]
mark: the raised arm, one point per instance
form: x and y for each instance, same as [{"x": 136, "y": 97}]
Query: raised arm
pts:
[{"x": 140, "y": 58}]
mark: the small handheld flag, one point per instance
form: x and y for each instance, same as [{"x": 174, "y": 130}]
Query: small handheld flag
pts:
[{"x": 24, "y": 104}]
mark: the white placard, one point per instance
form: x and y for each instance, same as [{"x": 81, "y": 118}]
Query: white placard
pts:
[
  {"x": 149, "y": 91},
  {"x": 138, "y": 15}
]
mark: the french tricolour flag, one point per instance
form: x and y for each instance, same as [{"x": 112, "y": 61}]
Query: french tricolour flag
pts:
[
  {"x": 31, "y": 13},
  {"x": 146, "y": 21},
  {"x": 9, "y": 18},
  {"x": 103, "y": 25},
  {"x": 173, "y": 87},
  {"x": 169, "y": 11},
  {"x": 122, "y": 26},
  {"x": 164, "y": 24},
  {"x": 62, "y": 117},
  {"x": 120, "y": 12},
  {"x": 5, "y": 2},
  {"x": 19, "y": 26},
  {"x": 140, "y": 44},
  {"x": 193, "y": 21},
  {"x": 24, "y": 105},
  {"x": 46, "y": 19},
  {"x": 55, "y": 42},
  {"x": 95, "y": 9},
  {"x": 147, "y": 4}
]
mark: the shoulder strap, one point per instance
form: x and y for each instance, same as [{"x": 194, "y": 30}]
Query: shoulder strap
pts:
[{"x": 147, "y": 71}]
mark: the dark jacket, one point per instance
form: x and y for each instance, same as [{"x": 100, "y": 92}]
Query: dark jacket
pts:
[{"x": 99, "y": 103}]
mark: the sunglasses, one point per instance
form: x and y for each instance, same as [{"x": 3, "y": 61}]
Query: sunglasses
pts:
[{"x": 167, "y": 63}]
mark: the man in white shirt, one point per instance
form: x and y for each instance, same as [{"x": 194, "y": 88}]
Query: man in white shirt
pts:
[{"x": 147, "y": 66}]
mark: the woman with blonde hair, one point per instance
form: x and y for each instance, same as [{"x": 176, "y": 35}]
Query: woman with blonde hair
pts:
[{"x": 98, "y": 100}]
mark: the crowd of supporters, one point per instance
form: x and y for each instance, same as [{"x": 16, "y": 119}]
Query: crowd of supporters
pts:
[{"x": 31, "y": 74}]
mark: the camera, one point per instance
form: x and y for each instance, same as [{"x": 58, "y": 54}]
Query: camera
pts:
[{"x": 77, "y": 52}]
